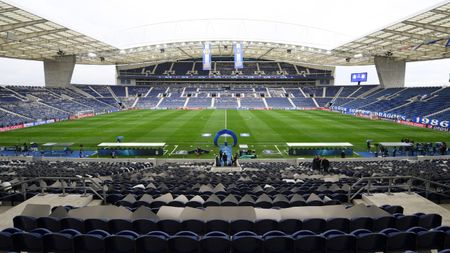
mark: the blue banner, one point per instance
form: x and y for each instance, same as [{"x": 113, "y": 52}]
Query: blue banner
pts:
[
  {"x": 448, "y": 43},
  {"x": 207, "y": 56},
  {"x": 359, "y": 77},
  {"x": 238, "y": 56}
]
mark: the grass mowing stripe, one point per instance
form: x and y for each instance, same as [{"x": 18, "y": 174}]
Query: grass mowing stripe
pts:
[{"x": 180, "y": 127}]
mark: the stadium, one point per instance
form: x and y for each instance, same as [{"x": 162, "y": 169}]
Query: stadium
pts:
[{"x": 275, "y": 130}]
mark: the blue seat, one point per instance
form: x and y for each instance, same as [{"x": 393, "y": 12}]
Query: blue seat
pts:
[
  {"x": 153, "y": 242},
  {"x": 246, "y": 242},
  {"x": 342, "y": 224},
  {"x": 217, "y": 225},
  {"x": 429, "y": 239},
  {"x": 308, "y": 242},
  {"x": 430, "y": 221},
  {"x": 61, "y": 242},
  {"x": 50, "y": 223},
  {"x": 398, "y": 240},
  {"x": 277, "y": 242},
  {"x": 339, "y": 242},
  {"x": 237, "y": 226},
  {"x": 215, "y": 242},
  {"x": 315, "y": 225},
  {"x": 361, "y": 223},
  {"x": 196, "y": 226},
  {"x": 123, "y": 242},
  {"x": 30, "y": 241},
  {"x": 25, "y": 223},
  {"x": 171, "y": 227},
  {"x": 263, "y": 226},
  {"x": 289, "y": 226},
  {"x": 73, "y": 223},
  {"x": 6, "y": 242},
  {"x": 382, "y": 223},
  {"x": 144, "y": 226},
  {"x": 184, "y": 242},
  {"x": 96, "y": 224},
  {"x": 92, "y": 243},
  {"x": 367, "y": 241},
  {"x": 406, "y": 222},
  {"x": 117, "y": 225}
]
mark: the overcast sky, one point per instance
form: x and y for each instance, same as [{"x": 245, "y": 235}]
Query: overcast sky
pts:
[{"x": 122, "y": 23}]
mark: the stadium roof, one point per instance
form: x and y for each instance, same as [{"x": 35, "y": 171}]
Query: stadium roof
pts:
[{"x": 420, "y": 37}]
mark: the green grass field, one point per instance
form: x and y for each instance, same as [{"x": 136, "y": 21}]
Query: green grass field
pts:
[{"x": 182, "y": 130}]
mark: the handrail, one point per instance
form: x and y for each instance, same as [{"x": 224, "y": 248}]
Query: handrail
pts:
[
  {"x": 63, "y": 187},
  {"x": 409, "y": 185}
]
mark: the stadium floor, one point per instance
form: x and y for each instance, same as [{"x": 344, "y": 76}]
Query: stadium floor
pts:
[{"x": 181, "y": 130}]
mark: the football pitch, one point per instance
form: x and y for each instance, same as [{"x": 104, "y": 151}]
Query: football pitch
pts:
[{"x": 264, "y": 131}]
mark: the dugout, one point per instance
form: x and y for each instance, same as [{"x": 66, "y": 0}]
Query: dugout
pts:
[
  {"x": 319, "y": 148},
  {"x": 131, "y": 148}
]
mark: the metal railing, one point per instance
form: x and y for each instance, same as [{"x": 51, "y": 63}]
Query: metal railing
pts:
[
  {"x": 403, "y": 182},
  {"x": 65, "y": 184}
]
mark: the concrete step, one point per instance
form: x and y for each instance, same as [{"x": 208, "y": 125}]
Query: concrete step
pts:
[
  {"x": 95, "y": 202},
  {"x": 6, "y": 218},
  {"x": 411, "y": 203}
]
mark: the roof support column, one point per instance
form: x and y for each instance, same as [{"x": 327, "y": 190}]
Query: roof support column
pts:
[
  {"x": 58, "y": 72},
  {"x": 391, "y": 71}
]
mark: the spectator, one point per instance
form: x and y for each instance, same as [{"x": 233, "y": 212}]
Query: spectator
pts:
[
  {"x": 225, "y": 159},
  {"x": 316, "y": 163},
  {"x": 325, "y": 165},
  {"x": 443, "y": 148},
  {"x": 217, "y": 160}
]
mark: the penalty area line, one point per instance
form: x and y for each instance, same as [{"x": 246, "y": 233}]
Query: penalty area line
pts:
[
  {"x": 176, "y": 146},
  {"x": 279, "y": 152}
]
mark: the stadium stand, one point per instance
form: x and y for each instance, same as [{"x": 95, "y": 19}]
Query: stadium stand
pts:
[
  {"x": 60, "y": 103},
  {"x": 264, "y": 201}
]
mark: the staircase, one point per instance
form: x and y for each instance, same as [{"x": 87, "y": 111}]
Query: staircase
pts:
[
  {"x": 434, "y": 113},
  {"x": 13, "y": 113},
  {"x": 292, "y": 103},
  {"x": 265, "y": 103},
  {"x": 135, "y": 102},
  {"x": 315, "y": 102}
]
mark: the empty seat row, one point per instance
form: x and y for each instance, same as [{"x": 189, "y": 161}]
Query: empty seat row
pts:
[
  {"x": 332, "y": 241},
  {"x": 288, "y": 226}
]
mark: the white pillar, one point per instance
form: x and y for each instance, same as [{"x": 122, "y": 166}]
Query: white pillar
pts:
[
  {"x": 391, "y": 71},
  {"x": 58, "y": 72}
]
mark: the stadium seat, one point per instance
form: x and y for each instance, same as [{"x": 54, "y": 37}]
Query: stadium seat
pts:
[
  {"x": 367, "y": 241},
  {"x": 72, "y": 223},
  {"x": 246, "y": 242},
  {"x": 123, "y": 242},
  {"x": 30, "y": 241},
  {"x": 50, "y": 223},
  {"x": 144, "y": 226},
  {"x": 25, "y": 223},
  {"x": 277, "y": 242},
  {"x": 215, "y": 242},
  {"x": 60, "y": 242},
  {"x": 308, "y": 242},
  {"x": 117, "y": 225},
  {"x": 217, "y": 225},
  {"x": 153, "y": 242},
  {"x": 289, "y": 226},
  {"x": 184, "y": 242}
]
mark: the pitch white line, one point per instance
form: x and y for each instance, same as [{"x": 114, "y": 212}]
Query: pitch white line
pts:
[
  {"x": 225, "y": 123},
  {"x": 279, "y": 152},
  {"x": 225, "y": 119},
  {"x": 176, "y": 146}
]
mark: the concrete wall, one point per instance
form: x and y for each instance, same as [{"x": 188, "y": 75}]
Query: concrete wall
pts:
[
  {"x": 391, "y": 71},
  {"x": 58, "y": 72}
]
